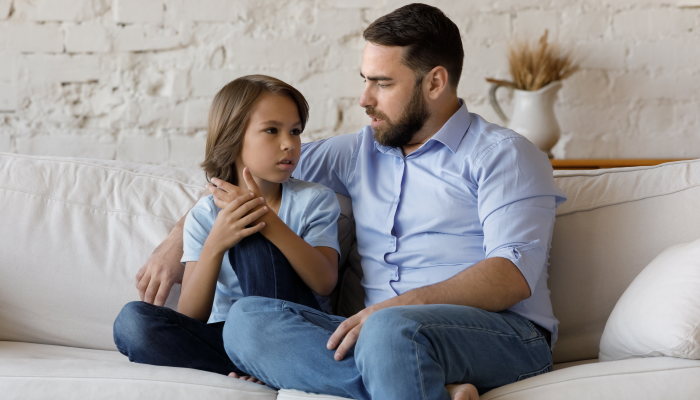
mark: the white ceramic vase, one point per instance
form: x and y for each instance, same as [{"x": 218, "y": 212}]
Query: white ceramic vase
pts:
[{"x": 533, "y": 115}]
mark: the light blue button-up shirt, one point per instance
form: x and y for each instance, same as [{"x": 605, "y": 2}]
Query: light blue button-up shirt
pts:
[{"x": 474, "y": 190}]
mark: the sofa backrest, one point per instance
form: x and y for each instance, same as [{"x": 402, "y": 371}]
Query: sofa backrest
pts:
[
  {"x": 612, "y": 225},
  {"x": 73, "y": 234}
]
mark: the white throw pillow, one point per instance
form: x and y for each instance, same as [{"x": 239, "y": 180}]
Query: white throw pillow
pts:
[{"x": 659, "y": 313}]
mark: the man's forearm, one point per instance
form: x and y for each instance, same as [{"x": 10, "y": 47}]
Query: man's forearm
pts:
[
  {"x": 494, "y": 284},
  {"x": 174, "y": 239}
]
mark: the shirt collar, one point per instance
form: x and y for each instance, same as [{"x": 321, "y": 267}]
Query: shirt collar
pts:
[{"x": 451, "y": 134}]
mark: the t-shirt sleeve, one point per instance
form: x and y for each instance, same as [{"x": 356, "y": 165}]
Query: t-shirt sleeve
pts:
[
  {"x": 321, "y": 227},
  {"x": 328, "y": 162},
  {"x": 198, "y": 224}
]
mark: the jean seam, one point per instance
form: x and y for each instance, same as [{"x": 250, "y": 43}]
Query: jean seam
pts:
[
  {"x": 315, "y": 312},
  {"x": 420, "y": 371},
  {"x": 470, "y": 328},
  {"x": 535, "y": 373},
  {"x": 274, "y": 270}
]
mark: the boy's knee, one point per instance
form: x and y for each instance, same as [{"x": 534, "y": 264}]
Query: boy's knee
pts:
[{"x": 131, "y": 324}]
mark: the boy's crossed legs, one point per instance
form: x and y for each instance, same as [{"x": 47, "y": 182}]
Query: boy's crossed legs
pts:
[
  {"x": 154, "y": 335},
  {"x": 405, "y": 352}
]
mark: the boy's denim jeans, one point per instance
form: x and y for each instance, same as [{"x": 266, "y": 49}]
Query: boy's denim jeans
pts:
[
  {"x": 150, "y": 334},
  {"x": 407, "y": 352}
]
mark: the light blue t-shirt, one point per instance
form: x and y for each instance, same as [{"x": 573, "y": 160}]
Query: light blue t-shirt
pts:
[{"x": 309, "y": 209}]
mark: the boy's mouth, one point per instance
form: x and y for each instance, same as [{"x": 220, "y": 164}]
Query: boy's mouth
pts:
[{"x": 286, "y": 164}]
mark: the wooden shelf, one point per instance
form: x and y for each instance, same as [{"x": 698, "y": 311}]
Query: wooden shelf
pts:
[{"x": 608, "y": 163}]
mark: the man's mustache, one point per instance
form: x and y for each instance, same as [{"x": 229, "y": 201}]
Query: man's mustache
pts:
[{"x": 372, "y": 112}]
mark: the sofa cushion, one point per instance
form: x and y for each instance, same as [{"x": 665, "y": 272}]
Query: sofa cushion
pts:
[
  {"x": 659, "y": 313},
  {"x": 642, "y": 379},
  {"x": 73, "y": 234},
  {"x": 612, "y": 225},
  {"x": 667, "y": 378},
  {"x": 35, "y": 371}
]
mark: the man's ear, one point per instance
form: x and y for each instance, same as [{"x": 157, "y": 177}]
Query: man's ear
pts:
[{"x": 437, "y": 82}]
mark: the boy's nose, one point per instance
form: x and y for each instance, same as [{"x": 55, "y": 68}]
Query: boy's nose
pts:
[{"x": 287, "y": 145}]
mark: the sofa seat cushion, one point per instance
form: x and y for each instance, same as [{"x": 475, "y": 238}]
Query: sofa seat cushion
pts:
[
  {"x": 33, "y": 371},
  {"x": 641, "y": 379}
]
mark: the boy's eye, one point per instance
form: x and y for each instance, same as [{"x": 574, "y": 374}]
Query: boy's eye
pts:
[
  {"x": 271, "y": 130},
  {"x": 296, "y": 132}
]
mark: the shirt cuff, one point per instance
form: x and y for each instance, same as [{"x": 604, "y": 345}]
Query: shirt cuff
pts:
[{"x": 529, "y": 258}]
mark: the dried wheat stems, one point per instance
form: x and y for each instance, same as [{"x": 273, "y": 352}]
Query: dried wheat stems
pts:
[{"x": 533, "y": 66}]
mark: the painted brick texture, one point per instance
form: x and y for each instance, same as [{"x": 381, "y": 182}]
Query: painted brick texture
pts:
[{"x": 133, "y": 79}]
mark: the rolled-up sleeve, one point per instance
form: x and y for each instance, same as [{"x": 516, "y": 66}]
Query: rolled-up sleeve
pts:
[{"x": 517, "y": 200}]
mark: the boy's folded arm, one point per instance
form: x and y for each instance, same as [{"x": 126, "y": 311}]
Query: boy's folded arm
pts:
[
  {"x": 199, "y": 284},
  {"x": 316, "y": 266}
]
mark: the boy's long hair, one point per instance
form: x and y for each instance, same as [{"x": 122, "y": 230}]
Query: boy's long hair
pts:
[{"x": 228, "y": 119}]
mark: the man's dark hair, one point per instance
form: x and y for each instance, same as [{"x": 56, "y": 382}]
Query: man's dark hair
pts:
[{"x": 429, "y": 39}]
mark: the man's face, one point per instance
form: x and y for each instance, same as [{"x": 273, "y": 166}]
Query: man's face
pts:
[{"x": 391, "y": 98}]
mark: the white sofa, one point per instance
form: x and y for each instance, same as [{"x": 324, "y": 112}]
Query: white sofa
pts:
[{"x": 73, "y": 233}]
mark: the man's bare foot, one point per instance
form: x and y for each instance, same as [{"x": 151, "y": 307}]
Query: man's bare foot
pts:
[
  {"x": 247, "y": 378},
  {"x": 465, "y": 391}
]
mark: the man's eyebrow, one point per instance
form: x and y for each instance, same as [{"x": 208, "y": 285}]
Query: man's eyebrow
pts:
[{"x": 376, "y": 78}]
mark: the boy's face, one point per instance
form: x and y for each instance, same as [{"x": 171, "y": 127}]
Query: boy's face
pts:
[
  {"x": 395, "y": 104},
  {"x": 271, "y": 145}
]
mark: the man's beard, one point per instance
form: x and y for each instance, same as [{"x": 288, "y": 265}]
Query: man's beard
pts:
[{"x": 410, "y": 122}]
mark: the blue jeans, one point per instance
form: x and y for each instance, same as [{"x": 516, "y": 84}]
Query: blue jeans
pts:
[
  {"x": 407, "y": 352},
  {"x": 150, "y": 334}
]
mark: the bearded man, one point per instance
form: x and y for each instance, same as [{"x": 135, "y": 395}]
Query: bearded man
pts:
[{"x": 454, "y": 220}]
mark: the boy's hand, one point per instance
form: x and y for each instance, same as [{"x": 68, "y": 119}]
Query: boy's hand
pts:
[
  {"x": 230, "y": 225},
  {"x": 225, "y": 193}
]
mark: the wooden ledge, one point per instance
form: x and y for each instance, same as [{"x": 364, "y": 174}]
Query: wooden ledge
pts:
[{"x": 609, "y": 163}]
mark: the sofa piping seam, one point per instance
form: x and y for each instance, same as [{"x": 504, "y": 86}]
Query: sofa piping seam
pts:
[
  {"x": 87, "y": 205},
  {"x": 129, "y": 379},
  {"x": 99, "y": 166},
  {"x": 625, "y": 201}
]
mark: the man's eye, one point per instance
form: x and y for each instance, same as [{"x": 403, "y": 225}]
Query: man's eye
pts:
[
  {"x": 381, "y": 86},
  {"x": 271, "y": 130}
]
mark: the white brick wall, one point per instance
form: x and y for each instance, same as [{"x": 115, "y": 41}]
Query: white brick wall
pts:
[{"x": 133, "y": 79}]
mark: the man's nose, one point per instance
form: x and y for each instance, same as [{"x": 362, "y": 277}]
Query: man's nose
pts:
[{"x": 367, "y": 98}]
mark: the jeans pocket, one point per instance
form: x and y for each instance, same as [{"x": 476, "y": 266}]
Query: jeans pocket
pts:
[
  {"x": 544, "y": 370},
  {"x": 522, "y": 326}
]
